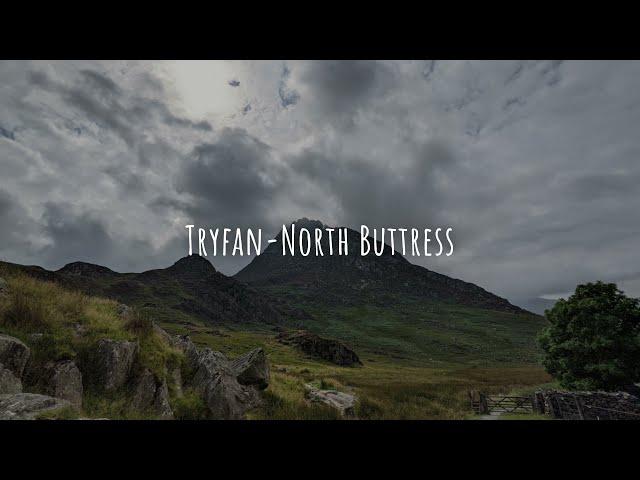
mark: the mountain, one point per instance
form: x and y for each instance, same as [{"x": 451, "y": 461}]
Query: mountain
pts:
[
  {"x": 354, "y": 279},
  {"x": 190, "y": 288}
]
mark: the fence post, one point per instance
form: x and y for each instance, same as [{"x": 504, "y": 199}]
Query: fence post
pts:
[{"x": 484, "y": 406}]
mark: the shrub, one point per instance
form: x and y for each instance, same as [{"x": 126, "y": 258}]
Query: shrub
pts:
[
  {"x": 190, "y": 406},
  {"x": 25, "y": 312},
  {"x": 139, "y": 324}
]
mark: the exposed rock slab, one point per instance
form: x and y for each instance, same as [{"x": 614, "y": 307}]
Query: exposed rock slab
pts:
[
  {"x": 319, "y": 347},
  {"x": 28, "y": 406},
  {"x": 9, "y": 383},
  {"x": 109, "y": 363},
  {"x": 152, "y": 395},
  {"x": 252, "y": 368},
  {"x": 215, "y": 379},
  {"x": 61, "y": 380},
  {"x": 13, "y": 354},
  {"x": 343, "y": 402}
]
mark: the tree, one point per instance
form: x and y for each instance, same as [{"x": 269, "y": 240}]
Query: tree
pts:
[{"x": 592, "y": 341}]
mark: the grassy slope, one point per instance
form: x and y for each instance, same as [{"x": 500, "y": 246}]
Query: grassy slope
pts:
[
  {"x": 70, "y": 323},
  {"x": 424, "y": 331}
]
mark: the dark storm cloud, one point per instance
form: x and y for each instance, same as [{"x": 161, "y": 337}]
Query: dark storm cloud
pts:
[
  {"x": 233, "y": 180},
  {"x": 384, "y": 194},
  {"x": 82, "y": 236},
  {"x": 341, "y": 88}
]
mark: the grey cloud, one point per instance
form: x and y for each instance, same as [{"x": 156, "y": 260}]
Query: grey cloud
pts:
[
  {"x": 233, "y": 180},
  {"x": 341, "y": 88},
  {"x": 287, "y": 95}
]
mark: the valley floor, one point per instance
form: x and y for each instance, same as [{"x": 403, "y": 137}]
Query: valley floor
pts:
[{"x": 386, "y": 388}]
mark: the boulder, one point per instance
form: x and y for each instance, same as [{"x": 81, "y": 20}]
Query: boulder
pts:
[
  {"x": 109, "y": 363},
  {"x": 13, "y": 354},
  {"x": 123, "y": 310},
  {"x": 216, "y": 381},
  {"x": 343, "y": 402},
  {"x": 252, "y": 368},
  {"x": 319, "y": 347},
  {"x": 214, "y": 377},
  {"x": 28, "y": 406},
  {"x": 152, "y": 395},
  {"x": 186, "y": 346},
  {"x": 60, "y": 379},
  {"x": 9, "y": 383}
]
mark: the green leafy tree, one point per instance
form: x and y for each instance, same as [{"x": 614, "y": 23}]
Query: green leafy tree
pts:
[{"x": 592, "y": 341}]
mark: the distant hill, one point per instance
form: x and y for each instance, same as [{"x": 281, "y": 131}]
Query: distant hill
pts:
[
  {"x": 354, "y": 279},
  {"x": 190, "y": 288}
]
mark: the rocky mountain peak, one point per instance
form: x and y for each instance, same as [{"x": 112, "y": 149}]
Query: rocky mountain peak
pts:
[
  {"x": 193, "y": 263},
  {"x": 85, "y": 269}
]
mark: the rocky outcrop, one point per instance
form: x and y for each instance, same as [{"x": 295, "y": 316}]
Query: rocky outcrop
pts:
[
  {"x": 109, "y": 363},
  {"x": 217, "y": 383},
  {"x": 319, "y": 347},
  {"x": 28, "y": 406},
  {"x": 9, "y": 383},
  {"x": 214, "y": 377},
  {"x": 152, "y": 395},
  {"x": 13, "y": 355},
  {"x": 252, "y": 369},
  {"x": 343, "y": 402},
  {"x": 60, "y": 379}
]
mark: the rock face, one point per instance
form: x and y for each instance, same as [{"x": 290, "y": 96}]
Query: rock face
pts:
[
  {"x": 316, "y": 346},
  {"x": 9, "y": 383},
  {"x": 62, "y": 380},
  {"x": 152, "y": 395},
  {"x": 28, "y": 406},
  {"x": 217, "y": 383},
  {"x": 109, "y": 363},
  {"x": 13, "y": 354},
  {"x": 252, "y": 369},
  {"x": 343, "y": 402},
  {"x": 216, "y": 380}
]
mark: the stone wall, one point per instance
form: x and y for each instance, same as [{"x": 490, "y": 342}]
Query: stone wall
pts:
[{"x": 588, "y": 405}]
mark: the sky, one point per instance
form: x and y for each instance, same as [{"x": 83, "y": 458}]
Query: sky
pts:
[{"x": 534, "y": 164}]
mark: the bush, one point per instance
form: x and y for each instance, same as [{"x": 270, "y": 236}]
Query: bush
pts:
[
  {"x": 190, "y": 406},
  {"x": 593, "y": 339},
  {"x": 25, "y": 312},
  {"x": 139, "y": 324}
]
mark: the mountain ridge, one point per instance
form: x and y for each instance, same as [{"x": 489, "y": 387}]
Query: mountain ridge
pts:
[{"x": 189, "y": 287}]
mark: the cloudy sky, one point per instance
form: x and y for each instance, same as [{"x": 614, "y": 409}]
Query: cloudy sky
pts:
[{"x": 534, "y": 164}]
